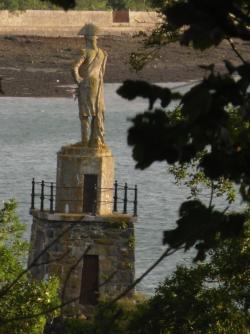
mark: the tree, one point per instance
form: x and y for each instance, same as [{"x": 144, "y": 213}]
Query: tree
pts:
[
  {"x": 25, "y": 305},
  {"x": 209, "y": 298},
  {"x": 207, "y": 132},
  {"x": 206, "y": 139}
]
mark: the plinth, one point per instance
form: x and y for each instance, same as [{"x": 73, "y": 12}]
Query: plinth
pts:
[
  {"x": 93, "y": 256},
  {"x": 85, "y": 179},
  {"x": 83, "y": 242}
]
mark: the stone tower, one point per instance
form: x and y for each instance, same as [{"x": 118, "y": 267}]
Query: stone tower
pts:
[{"x": 81, "y": 237}]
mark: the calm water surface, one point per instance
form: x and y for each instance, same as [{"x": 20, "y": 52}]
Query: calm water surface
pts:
[{"x": 32, "y": 130}]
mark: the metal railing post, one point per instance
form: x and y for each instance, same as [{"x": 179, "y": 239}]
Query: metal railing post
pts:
[
  {"x": 42, "y": 196},
  {"x": 135, "y": 201},
  {"x": 32, "y": 206},
  {"x": 125, "y": 199},
  {"x": 115, "y": 196},
  {"x": 51, "y": 197}
]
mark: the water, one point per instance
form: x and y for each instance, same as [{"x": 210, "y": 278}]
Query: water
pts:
[{"x": 32, "y": 130}]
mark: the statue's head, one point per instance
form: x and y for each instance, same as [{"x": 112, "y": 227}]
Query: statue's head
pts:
[{"x": 90, "y": 31}]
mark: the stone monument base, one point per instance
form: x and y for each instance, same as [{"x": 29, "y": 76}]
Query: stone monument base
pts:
[{"x": 93, "y": 256}]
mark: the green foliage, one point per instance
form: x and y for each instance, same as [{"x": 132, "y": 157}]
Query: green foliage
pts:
[
  {"x": 151, "y": 45},
  {"x": 107, "y": 318},
  {"x": 209, "y": 298},
  {"x": 189, "y": 174},
  {"x": 78, "y": 326},
  {"x": 114, "y": 319},
  {"x": 206, "y": 23},
  {"x": 13, "y": 5},
  {"x": 197, "y": 183},
  {"x": 140, "y": 5},
  {"x": 90, "y": 5},
  {"x": 209, "y": 142},
  {"x": 131, "y": 242},
  {"x": 24, "y": 304},
  {"x": 119, "y": 221},
  {"x": 119, "y": 4}
]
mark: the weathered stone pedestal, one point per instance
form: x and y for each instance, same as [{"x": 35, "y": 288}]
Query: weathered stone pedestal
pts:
[
  {"x": 85, "y": 179},
  {"x": 89, "y": 248},
  {"x": 93, "y": 256}
]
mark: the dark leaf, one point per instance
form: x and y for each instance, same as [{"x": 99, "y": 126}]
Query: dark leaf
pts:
[
  {"x": 232, "y": 226},
  {"x": 132, "y": 89},
  {"x": 202, "y": 37},
  {"x": 200, "y": 226},
  {"x": 196, "y": 102}
]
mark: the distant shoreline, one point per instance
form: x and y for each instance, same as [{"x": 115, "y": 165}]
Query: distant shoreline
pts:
[
  {"x": 40, "y": 66},
  {"x": 70, "y": 89}
]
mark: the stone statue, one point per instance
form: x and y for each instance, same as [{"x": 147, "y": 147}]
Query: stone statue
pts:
[{"x": 88, "y": 72}]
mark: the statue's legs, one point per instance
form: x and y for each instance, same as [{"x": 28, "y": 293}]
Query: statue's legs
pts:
[
  {"x": 97, "y": 132},
  {"x": 84, "y": 129}
]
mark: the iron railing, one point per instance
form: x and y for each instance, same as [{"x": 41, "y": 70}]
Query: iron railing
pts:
[{"x": 125, "y": 198}]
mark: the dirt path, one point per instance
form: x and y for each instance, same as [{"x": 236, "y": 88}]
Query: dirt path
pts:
[{"x": 37, "y": 66}]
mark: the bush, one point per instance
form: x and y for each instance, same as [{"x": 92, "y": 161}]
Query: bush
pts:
[
  {"x": 77, "y": 326},
  {"x": 25, "y": 305},
  {"x": 13, "y": 5}
]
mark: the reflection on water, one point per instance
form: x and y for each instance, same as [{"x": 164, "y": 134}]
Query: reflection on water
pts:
[{"x": 32, "y": 130}]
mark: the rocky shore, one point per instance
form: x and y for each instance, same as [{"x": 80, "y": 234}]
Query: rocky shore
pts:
[{"x": 40, "y": 66}]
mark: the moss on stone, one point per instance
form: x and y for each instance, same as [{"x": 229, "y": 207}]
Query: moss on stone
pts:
[
  {"x": 119, "y": 221},
  {"x": 131, "y": 242}
]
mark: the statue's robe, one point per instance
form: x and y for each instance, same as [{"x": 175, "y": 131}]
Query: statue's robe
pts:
[{"x": 88, "y": 72}]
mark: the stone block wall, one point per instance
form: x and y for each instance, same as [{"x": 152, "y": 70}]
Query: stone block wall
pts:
[
  {"x": 70, "y": 23},
  {"x": 69, "y": 237}
]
